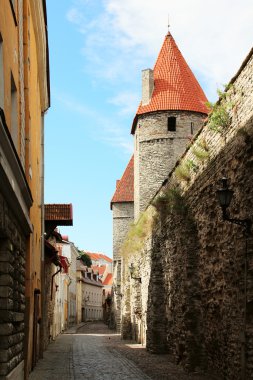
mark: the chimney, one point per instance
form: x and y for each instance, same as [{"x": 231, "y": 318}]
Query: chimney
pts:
[{"x": 147, "y": 85}]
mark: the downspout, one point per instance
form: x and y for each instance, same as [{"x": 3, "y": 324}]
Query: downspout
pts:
[
  {"x": 42, "y": 268},
  {"x": 52, "y": 281}
]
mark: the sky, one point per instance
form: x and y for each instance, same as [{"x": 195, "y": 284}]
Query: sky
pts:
[{"x": 97, "y": 50}]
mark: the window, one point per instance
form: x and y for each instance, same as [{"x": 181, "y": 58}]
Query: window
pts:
[
  {"x": 172, "y": 124},
  {"x": 14, "y": 113},
  {"x": 192, "y": 125},
  {"x": 1, "y": 74}
]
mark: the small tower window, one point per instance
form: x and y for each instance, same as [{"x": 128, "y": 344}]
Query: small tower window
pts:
[
  {"x": 192, "y": 126},
  {"x": 172, "y": 124}
]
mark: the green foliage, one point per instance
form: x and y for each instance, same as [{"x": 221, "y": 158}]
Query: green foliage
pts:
[
  {"x": 183, "y": 172},
  {"x": 192, "y": 166},
  {"x": 200, "y": 153},
  {"x": 202, "y": 143},
  {"x": 85, "y": 259},
  {"x": 219, "y": 117},
  {"x": 138, "y": 234},
  {"x": 170, "y": 201}
]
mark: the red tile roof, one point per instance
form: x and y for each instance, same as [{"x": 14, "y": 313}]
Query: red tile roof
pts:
[
  {"x": 60, "y": 213},
  {"x": 108, "y": 279},
  {"x": 125, "y": 187},
  {"x": 98, "y": 256},
  {"x": 101, "y": 269},
  {"x": 175, "y": 86}
]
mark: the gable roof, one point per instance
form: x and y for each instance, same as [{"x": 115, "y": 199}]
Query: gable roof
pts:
[
  {"x": 125, "y": 187},
  {"x": 108, "y": 279},
  {"x": 175, "y": 86},
  {"x": 99, "y": 268}
]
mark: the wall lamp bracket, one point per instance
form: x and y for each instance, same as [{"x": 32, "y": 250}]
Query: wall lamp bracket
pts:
[
  {"x": 132, "y": 271},
  {"x": 116, "y": 292},
  {"x": 225, "y": 195}
]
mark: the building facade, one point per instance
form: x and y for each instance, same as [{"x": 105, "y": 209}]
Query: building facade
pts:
[
  {"x": 89, "y": 294},
  {"x": 56, "y": 268},
  {"x": 24, "y": 99}
]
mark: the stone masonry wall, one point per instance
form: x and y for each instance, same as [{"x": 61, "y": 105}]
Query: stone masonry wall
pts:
[
  {"x": 123, "y": 214},
  {"x": 12, "y": 291},
  {"x": 122, "y": 217},
  {"x": 135, "y": 295},
  {"x": 208, "y": 318},
  {"x": 157, "y": 150},
  {"x": 199, "y": 268}
]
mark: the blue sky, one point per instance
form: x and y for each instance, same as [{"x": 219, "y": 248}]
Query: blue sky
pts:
[{"x": 97, "y": 51}]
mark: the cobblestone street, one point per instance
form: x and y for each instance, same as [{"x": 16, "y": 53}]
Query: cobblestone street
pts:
[{"x": 96, "y": 353}]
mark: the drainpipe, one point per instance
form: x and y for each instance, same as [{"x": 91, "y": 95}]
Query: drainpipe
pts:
[
  {"x": 42, "y": 268},
  {"x": 52, "y": 281}
]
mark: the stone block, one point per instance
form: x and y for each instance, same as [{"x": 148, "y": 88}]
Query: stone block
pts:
[
  {"x": 6, "y": 268},
  {"x": 11, "y": 316},
  {"x": 6, "y": 280},
  {"x": 5, "y": 292},
  {"x": 6, "y": 329},
  {"x": 6, "y": 256},
  {"x": 6, "y": 304}
]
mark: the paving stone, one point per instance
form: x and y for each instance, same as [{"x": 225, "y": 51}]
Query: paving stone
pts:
[{"x": 94, "y": 352}]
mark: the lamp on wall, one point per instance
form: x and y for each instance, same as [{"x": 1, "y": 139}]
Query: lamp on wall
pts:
[
  {"x": 132, "y": 271},
  {"x": 116, "y": 292},
  {"x": 225, "y": 195}
]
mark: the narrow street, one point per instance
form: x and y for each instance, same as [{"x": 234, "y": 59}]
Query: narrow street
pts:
[{"x": 95, "y": 352}]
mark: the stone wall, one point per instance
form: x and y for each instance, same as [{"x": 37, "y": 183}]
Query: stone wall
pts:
[
  {"x": 157, "y": 150},
  {"x": 198, "y": 268},
  {"x": 50, "y": 290},
  {"x": 122, "y": 217},
  {"x": 12, "y": 292},
  {"x": 123, "y": 214}
]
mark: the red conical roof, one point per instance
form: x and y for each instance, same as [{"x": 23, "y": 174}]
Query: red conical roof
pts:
[
  {"x": 125, "y": 187},
  {"x": 175, "y": 86}
]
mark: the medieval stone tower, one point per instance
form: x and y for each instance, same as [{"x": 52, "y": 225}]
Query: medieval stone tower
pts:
[
  {"x": 172, "y": 110},
  {"x": 122, "y": 206}
]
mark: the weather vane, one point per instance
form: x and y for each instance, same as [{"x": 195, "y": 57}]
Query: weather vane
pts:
[{"x": 168, "y": 22}]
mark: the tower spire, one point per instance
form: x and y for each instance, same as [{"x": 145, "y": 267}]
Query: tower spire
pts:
[{"x": 168, "y": 23}]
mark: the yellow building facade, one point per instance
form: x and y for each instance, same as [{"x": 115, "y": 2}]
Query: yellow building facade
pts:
[{"x": 24, "y": 99}]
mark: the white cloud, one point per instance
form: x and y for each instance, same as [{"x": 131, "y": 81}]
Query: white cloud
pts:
[
  {"x": 126, "y": 101},
  {"x": 214, "y": 37}
]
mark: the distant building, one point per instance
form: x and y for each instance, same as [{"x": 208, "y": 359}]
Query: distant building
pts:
[
  {"x": 89, "y": 293},
  {"x": 102, "y": 264},
  {"x": 56, "y": 268},
  {"x": 100, "y": 259},
  {"x": 69, "y": 253}
]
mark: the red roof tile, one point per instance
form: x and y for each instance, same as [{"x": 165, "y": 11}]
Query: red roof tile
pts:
[
  {"x": 125, "y": 187},
  {"x": 101, "y": 269},
  {"x": 175, "y": 86},
  {"x": 108, "y": 279},
  {"x": 98, "y": 256},
  {"x": 60, "y": 213}
]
